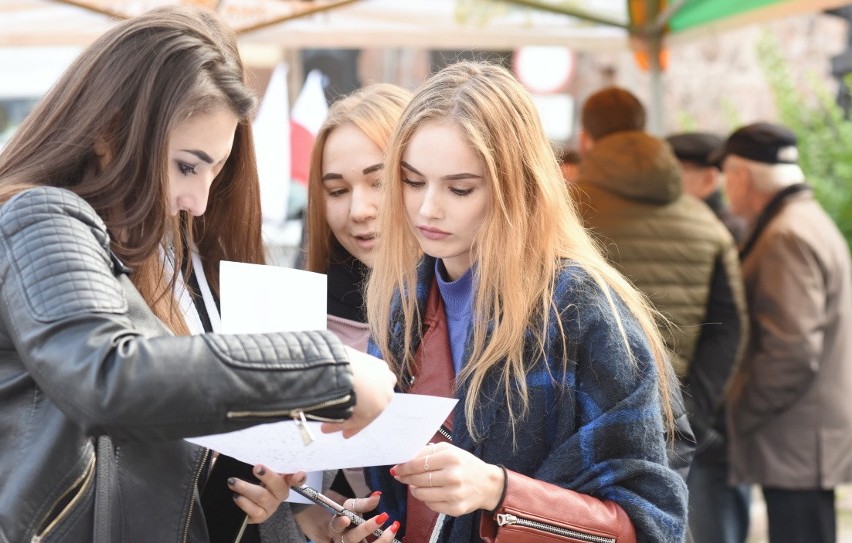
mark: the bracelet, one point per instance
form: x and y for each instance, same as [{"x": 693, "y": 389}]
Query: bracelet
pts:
[{"x": 503, "y": 492}]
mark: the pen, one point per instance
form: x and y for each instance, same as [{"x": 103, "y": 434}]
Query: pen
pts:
[{"x": 333, "y": 507}]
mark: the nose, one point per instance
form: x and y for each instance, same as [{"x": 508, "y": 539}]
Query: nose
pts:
[
  {"x": 365, "y": 204},
  {"x": 193, "y": 199},
  {"x": 430, "y": 207}
]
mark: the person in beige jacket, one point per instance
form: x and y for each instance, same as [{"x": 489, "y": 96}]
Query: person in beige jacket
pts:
[{"x": 789, "y": 403}]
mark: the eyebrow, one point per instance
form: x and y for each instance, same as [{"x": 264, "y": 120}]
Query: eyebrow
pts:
[
  {"x": 452, "y": 177},
  {"x": 369, "y": 169},
  {"x": 200, "y": 154}
]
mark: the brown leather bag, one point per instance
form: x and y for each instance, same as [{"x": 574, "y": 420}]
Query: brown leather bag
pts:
[{"x": 536, "y": 511}]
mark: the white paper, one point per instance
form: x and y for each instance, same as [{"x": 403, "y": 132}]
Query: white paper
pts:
[
  {"x": 403, "y": 428},
  {"x": 258, "y": 299}
]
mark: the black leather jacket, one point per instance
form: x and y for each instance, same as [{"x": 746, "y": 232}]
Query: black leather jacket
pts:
[{"x": 96, "y": 395}]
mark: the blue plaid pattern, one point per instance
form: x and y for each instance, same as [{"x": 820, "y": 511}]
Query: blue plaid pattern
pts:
[{"x": 595, "y": 429}]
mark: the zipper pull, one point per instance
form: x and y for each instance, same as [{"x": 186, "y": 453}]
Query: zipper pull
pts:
[
  {"x": 504, "y": 518},
  {"x": 302, "y": 425}
]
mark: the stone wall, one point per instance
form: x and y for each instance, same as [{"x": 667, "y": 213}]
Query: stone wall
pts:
[{"x": 716, "y": 82}]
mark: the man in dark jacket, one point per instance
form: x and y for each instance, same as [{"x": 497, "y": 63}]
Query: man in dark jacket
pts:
[
  {"x": 675, "y": 250},
  {"x": 720, "y": 511}
]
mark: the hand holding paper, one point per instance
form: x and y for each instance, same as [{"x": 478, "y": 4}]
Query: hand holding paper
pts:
[
  {"x": 373, "y": 384},
  {"x": 408, "y": 423}
]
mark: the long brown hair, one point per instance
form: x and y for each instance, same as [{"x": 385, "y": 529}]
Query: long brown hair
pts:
[
  {"x": 121, "y": 98},
  {"x": 531, "y": 226},
  {"x": 374, "y": 110}
]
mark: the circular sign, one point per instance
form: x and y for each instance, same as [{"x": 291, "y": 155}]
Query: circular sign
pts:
[{"x": 544, "y": 70}]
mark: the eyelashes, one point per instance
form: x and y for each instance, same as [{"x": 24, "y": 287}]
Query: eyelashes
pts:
[
  {"x": 186, "y": 169},
  {"x": 418, "y": 184}
]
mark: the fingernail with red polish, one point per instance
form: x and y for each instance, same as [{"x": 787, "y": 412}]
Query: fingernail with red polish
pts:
[
  {"x": 394, "y": 527},
  {"x": 232, "y": 481},
  {"x": 381, "y": 519},
  {"x": 393, "y": 471},
  {"x": 376, "y": 493}
]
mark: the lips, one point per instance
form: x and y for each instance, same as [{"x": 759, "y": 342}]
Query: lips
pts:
[
  {"x": 432, "y": 233},
  {"x": 365, "y": 241}
]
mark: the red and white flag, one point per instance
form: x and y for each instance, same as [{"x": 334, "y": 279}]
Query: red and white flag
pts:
[
  {"x": 307, "y": 116},
  {"x": 272, "y": 147}
]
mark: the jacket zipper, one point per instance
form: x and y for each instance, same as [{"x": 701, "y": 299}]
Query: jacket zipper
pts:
[
  {"x": 192, "y": 502},
  {"x": 81, "y": 484},
  {"x": 294, "y": 413},
  {"x": 446, "y": 433},
  {"x": 505, "y": 519}
]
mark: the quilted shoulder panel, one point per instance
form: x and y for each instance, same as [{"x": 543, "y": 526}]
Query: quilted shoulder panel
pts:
[
  {"x": 58, "y": 251},
  {"x": 282, "y": 350}
]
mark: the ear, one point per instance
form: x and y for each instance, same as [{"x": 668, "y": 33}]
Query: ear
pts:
[
  {"x": 586, "y": 143},
  {"x": 103, "y": 150},
  {"x": 710, "y": 181}
]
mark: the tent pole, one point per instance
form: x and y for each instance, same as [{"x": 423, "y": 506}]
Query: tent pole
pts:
[{"x": 657, "y": 117}]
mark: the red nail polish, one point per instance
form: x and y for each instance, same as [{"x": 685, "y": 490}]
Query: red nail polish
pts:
[
  {"x": 376, "y": 493},
  {"x": 393, "y": 472},
  {"x": 394, "y": 527},
  {"x": 381, "y": 519}
]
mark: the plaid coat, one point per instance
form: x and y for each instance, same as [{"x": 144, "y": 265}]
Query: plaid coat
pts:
[{"x": 595, "y": 429}]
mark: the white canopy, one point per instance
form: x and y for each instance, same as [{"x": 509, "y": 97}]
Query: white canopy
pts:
[{"x": 435, "y": 24}]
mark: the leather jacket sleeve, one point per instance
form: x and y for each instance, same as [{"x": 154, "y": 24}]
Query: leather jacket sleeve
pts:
[
  {"x": 550, "y": 506},
  {"x": 71, "y": 321}
]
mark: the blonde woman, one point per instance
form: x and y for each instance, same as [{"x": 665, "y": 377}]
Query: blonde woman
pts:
[
  {"x": 347, "y": 164},
  {"x": 487, "y": 288},
  {"x": 344, "y": 194}
]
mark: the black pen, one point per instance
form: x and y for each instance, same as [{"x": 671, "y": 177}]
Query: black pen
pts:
[{"x": 334, "y": 508}]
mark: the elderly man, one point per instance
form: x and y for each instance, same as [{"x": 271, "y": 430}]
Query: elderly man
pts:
[
  {"x": 702, "y": 178},
  {"x": 789, "y": 406}
]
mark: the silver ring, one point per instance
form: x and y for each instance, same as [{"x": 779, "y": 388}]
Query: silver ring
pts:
[
  {"x": 331, "y": 526},
  {"x": 430, "y": 479},
  {"x": 433, "y": 447},
  {"x": 426, "y": 463}
]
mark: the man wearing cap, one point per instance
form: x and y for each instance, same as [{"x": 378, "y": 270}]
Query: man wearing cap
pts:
[
  {"x": 790, "y": 403},
  {"x": 719, "y": 512},
  {"x": 701, "y": 176},
  {"x": 670, "y": 245}
]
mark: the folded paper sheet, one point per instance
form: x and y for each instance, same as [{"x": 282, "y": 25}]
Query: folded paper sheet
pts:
[{"x": 403, "y": 428}]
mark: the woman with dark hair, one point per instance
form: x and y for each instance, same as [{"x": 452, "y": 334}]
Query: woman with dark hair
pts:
[{"x": 132, "y": 177}]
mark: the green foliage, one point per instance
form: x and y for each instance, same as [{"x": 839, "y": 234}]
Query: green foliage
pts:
[{"x": 824, "y": 134}]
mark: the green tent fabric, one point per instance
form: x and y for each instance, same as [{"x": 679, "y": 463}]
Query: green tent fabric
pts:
[{"x": 653, "y": 18}]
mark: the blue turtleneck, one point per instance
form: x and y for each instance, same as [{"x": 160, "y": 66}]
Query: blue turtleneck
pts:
[{"x": 458, "y": 303}]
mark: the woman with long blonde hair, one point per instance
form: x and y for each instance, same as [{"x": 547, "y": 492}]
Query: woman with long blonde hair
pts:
[
  {"x": 344, "y": 195},
  {"x": 487, "y": 288}
]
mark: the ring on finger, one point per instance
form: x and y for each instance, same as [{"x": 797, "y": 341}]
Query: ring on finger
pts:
[
  {"x": 332, "y": 528},
  {"x": 426, "y": 463},
  {"x": 430, "y": 479},
  {"x": 433, "y": 448}
]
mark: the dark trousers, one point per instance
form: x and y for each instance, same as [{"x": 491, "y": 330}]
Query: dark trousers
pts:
[
  {"x": 800, "y": 516},
  {"x": 718, "y": 513}
]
